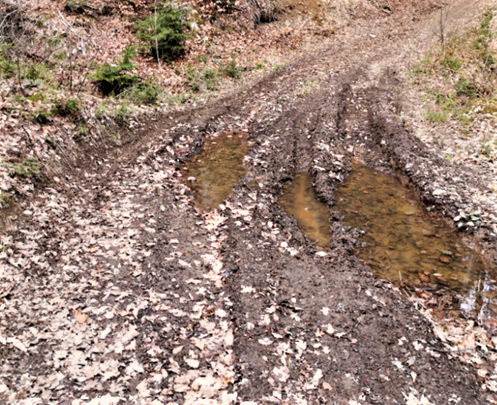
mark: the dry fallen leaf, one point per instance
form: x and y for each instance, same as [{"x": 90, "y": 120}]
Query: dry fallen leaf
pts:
[
  {"x": 327, "y": 386},
  {"x": 79, "y": 316}
]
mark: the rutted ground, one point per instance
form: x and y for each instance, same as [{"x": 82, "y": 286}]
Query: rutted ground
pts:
[{"x": 117, "y": 287}]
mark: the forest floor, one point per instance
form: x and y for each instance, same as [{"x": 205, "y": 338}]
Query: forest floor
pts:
[{"x": 116, "y": 288}]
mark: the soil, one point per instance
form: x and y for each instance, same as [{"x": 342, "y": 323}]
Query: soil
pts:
[{"x": 116, "y": 287}]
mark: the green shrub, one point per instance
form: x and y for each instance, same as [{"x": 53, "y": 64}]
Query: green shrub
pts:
[
  {"x": 453, "y": 64},
  {"x": 7, "y": 68},
  {"x": 77, "y": 7},
  {"x": 7, "y": 65},
  {"x": 30, "y": 167},
  {"x": 42, "y": 116},
  {"x": 66, "y": 108},
  {"x": 81, "y": 131},
  {"x": 231, "y": 69},
  {"x": 115, "y": 79},
  {"x": 165, "y": 34},
  {"x": 198, "y": 80},
  {"x": 33, "y": 72},
  {"x": 193, "y": 78},
  {"x": 145, "y": 93},
  {"x": 465, "y": 88},
  {"x": 210, "y": 78}
]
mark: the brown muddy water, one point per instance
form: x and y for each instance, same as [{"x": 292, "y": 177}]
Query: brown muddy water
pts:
[
  {"x": 400, "y": 240},
  {"x": 212, "y": 173},
  {"x": 299, "y": 200}
]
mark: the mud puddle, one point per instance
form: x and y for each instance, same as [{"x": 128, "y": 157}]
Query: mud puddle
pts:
[
  {"x": 212, "y": 173},
  {"x": 405, "y": 243},
  {"x": 300, "y": 201}
]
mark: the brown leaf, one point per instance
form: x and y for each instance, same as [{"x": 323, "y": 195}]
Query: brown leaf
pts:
[
  {"x": 79, "y": 316},
  {"x": 424, "y": 278},
  {"x": 327, "y": 386}
]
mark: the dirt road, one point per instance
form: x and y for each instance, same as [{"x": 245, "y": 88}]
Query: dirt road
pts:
[{"x": 115, "y": 287}]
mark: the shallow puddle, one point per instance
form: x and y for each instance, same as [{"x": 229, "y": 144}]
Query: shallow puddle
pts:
[
  {"x": 403, "y": 242},
  {"x": 312, "y": 216},
  {"x": 212, "y": 173}
]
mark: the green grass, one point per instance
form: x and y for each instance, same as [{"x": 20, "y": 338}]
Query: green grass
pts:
[
  {"x": 436, "y": 117},
  {"x": 451, "y": 63}
]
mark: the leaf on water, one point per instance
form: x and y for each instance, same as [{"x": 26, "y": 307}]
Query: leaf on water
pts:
[{"x": 79, "y": 316}]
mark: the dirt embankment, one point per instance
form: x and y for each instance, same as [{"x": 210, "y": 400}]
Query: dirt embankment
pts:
[{"x": 117, "y": 288}]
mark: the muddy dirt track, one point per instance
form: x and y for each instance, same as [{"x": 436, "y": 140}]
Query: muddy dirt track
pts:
[{"x": 116, "y": 288}]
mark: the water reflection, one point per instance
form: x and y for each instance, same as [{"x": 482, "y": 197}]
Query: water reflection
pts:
[
  {"x": 212, "y": 173},
  {"x": 312, "y": 215},
  {"x": 405, "y": 243}
]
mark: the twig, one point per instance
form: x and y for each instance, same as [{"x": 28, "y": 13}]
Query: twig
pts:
[
  {"x": 69, "y": 27},
  {"x": 156, "y": 41},
  {"x": 33, "y": 148}
]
